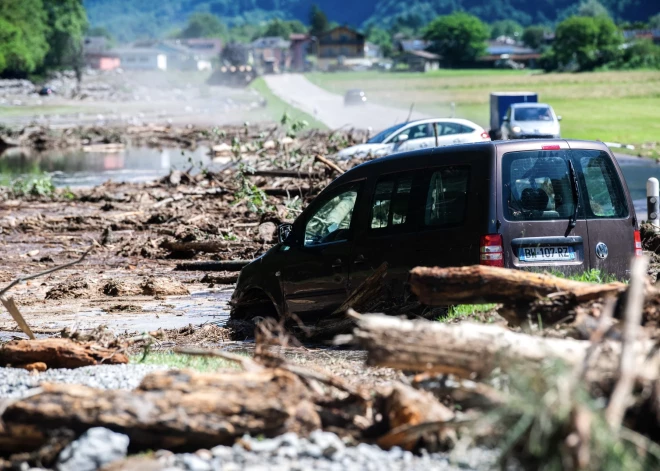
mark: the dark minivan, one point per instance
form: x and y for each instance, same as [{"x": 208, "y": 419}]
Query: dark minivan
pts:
[{"x": 545, "y": 205}]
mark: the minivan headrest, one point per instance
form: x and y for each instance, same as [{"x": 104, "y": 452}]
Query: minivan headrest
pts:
[{"x": 534, "y": 199}]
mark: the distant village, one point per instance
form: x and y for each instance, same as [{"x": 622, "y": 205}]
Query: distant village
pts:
[{"x": 340, "y": 48}]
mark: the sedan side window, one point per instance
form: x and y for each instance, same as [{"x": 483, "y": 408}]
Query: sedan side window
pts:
[{"x": 332, "y": 220}]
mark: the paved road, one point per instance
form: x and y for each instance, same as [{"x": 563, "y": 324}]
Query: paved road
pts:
[{"x": 329, "y": 108}]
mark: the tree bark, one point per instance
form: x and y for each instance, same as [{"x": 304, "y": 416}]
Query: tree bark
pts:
[
  {"x": 475, "y": 350},
  {"x": 483, "y": 284},
  {"x": 178, "y": 410},
  {"x": 58, "y": 353}
]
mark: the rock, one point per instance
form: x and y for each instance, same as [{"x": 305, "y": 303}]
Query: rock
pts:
[
  {"x": 192, "y": 462},
  {"x": 267, "y": 231},
  {"x": 94, "y": 449},
  {"x": 36, "y": 366},
  {"x": 76, "y": 287},
  {"x": 329, "y": 443}
]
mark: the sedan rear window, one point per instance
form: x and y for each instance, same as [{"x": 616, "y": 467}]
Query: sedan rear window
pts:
[{"x": 537, "y": 185}]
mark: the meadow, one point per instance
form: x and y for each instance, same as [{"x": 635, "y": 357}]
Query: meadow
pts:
[{"x": 616, "y": 106}]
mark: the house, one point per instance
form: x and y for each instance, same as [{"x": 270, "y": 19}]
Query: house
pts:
[
  {"x": 340, "y": 45},
  {"x": 301, "y": 46},
  {"x": 185, "y": 54},
  {"x": 419, "y": 61},
  {"x": 141, "y": 58},
  {"x": 498, "y": 52},
  {"x": 372, "y": 51},
  {"x": 272, "y": 54},
  {"x": 406, "y": 45},
  {"x": 97, "y": 55},
  {"x": 634, "y": 34}
]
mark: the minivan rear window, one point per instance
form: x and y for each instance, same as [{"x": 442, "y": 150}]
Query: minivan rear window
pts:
[{"x": 537, "y": 185}]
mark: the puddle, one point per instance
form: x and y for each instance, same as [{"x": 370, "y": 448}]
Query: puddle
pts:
[{"x": 79, "y": 168}]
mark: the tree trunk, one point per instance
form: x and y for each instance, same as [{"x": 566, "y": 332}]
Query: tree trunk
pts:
[
  {"x": 178, "y": 410},
  {"x": 58, "y": 353},
  {"x": 483, "y": 284},
  {"x": 469, "y": 350}
]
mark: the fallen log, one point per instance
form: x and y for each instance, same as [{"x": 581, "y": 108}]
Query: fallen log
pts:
[
  {"x": 224, "y": 279},
  {"x": 58, "y": 353},
  {"x": 222, "y": 265},
  {"x": 282, "y": 173},
  {"x": 210, "y": 246},
  {"x": 475, "y": 350},
  {"x": 177, "y": 410},
  {"x": 484, "y": 284}
]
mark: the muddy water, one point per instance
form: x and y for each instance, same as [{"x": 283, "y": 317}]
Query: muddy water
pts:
[{"x": 78, "y": 168}]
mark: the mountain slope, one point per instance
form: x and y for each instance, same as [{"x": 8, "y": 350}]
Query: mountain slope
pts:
[{"x": 129, "y": 19}]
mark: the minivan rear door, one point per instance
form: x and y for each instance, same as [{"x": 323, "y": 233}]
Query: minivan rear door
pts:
[
  {"x": 542, "y": 225},
  {"x": 608, "y": 210}
]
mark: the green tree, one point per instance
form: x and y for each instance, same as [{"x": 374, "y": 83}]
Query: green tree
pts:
[
  {"x": 534, "y": 36},
  {"x": 641, "y": 54},
  {"x": 23, "y": 36},
  {"x": 654, "y": 21},
  {"x": 282, "y": 28},
  {"x": 460, "y": 38},
  {"x": 592, "y": 8},
  {"x": 509, "y": 28},
  {"x": 67, "y": 23},
  {"x": 589, "y": 42},
  {"x": 318, "y": 21},
  {"x": 203, "y": 25},
  {"x": 381, "y": 38}
]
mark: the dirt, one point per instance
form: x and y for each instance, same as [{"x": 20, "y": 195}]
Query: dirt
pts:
[{"x": 229, "y": 214}]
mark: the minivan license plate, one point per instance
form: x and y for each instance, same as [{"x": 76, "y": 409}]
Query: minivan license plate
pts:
[{"x": 546, "y": 254}]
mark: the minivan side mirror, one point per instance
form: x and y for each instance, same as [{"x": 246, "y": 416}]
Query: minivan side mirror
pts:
[
  {"x": 283, "y": 232},
  {"x": 505, "y": 119},
  {"x": 559, "y": 118}
]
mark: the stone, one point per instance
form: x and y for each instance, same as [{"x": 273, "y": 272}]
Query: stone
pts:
[
  {"x": 192, "y": 462},
  {"x": 329, "y": 443},
  {"x": 94, "y": 449}
]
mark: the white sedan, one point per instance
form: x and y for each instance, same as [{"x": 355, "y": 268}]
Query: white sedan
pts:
[{"x": 419, "y": 134}]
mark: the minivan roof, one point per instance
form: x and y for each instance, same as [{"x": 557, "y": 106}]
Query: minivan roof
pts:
[{"x": 367, "y": 168}]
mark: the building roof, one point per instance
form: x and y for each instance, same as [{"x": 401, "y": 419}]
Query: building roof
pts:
[
  {"x": 424, "y": 55},
  {"x": 345, "y": 28},
  {"x": 414, "y": 45},
  {"x": 137, "y": 50},
  {"x": 299, "y": 37},
  {"x": 271, "y": 42},
  {"x": 499, "y": 48}
]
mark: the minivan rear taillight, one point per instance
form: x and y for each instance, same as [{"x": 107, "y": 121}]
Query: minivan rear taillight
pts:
[
  {"x": 485, "y": 136},
  {"x": 638, "y": 244},
  {"x": 491, "y": 251}
]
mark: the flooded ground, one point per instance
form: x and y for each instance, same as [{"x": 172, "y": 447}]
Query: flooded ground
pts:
[{"x": 78, "y": 168}]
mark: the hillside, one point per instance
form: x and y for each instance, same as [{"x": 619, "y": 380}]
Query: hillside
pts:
[{"x": 129, "y": 19}]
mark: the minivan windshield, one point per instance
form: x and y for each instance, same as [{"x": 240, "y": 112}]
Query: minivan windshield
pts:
[
  {"x": 381, "y": 136},
  {"x": 537, "y": 185},
  {"x": 528, "y": 113}
]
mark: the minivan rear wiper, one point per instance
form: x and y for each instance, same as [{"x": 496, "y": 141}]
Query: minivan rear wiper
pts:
[{"x": 576, "y": 198}]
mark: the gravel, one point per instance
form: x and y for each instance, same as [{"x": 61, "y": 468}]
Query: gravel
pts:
[
  {"x": 15, "y": 382},
  {"x": 323, "y": 451}
]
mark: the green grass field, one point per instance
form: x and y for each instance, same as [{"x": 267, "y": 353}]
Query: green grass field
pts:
[
  {"x": 608, "y": 106},
  {"x": 277, "y": 107}
]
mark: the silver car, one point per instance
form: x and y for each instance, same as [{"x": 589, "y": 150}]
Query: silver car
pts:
[{"x": 530, "y": 121}]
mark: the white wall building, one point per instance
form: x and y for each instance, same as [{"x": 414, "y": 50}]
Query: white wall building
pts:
[{"x": 142, "y": 59}]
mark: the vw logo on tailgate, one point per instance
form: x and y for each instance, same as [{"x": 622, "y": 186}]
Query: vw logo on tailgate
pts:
[{"x": 601, "y": 250}]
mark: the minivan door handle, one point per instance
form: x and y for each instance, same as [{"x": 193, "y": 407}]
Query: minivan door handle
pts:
[
  {"x": 359, "y": 259},
  {"x": 337, "y": 263}
]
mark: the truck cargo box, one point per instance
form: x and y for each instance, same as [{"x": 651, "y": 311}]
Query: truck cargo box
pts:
[{"x": 499, "y": 104}]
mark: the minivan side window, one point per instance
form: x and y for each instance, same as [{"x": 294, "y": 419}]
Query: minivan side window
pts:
[
  {"x": 446, "y": 200},
  {"x": 332, "y": 220},
  {"x": 605, "y": 196},
  {"x": 391, "y": 200}
]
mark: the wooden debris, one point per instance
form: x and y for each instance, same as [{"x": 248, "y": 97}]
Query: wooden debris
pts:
[
  {"x": 58, "y": 353},
  {"x": 475, "y": 350},
  {"x": 223, "y": 265},
  {"x": 484, "y": 284},
  {"x": 176, "y": 410},
  {"x": 329, "y": 164}
]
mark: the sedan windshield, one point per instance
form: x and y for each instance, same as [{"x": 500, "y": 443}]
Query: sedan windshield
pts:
[
  {"x": 533, "y": 114},
  {"x": 381, "y": 136}
]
